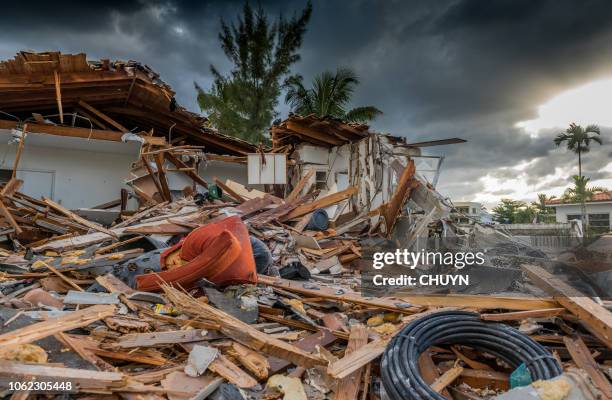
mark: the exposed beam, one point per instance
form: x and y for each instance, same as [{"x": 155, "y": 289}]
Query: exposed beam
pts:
[
  {"x": 66, "y": 131},
  {"x": 58, "y": 95},
  {"x": 184, "y": 128},
  {"x": 85, "y": 133},
  {"x": 161, "y": 174},
  {"x": 315, "y": 134},
  {"x": 103, "y": 116}
]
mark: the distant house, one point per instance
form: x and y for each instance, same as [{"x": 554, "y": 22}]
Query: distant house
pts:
[
  {"x": 469, "y": 212},
  {"x": 598, "y": 210}
]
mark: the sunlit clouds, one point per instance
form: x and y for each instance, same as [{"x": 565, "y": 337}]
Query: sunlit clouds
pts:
[{"x": 584, "y": 105}]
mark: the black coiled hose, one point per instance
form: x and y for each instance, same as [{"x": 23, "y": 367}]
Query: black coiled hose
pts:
[{"x": 400, "y": 369}]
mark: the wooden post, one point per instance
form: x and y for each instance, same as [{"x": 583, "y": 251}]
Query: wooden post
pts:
[{"x": 58, "y": 95}]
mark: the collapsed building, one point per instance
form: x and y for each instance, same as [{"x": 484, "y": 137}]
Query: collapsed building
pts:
[{"x": 145, "y": 253}]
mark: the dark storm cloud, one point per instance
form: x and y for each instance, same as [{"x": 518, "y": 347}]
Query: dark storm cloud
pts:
[{"x": 462, "y": 68}]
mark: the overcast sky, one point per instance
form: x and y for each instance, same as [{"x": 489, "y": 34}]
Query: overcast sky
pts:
[{"x": 469, "y": 69}]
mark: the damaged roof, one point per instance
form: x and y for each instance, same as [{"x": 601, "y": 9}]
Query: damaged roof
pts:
[
  {"x": 321, "y": 131},
  {"x": 45, "y": 89}
]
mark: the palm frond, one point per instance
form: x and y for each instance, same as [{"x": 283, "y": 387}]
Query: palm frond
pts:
[{"x": 362, "y": 114}]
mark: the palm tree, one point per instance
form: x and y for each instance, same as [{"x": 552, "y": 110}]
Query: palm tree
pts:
[
  {"x": 580, "y": 192},
  {"x": 330, "y": 94},
  {"x": 578, "y": 140},
  {"x": 540, "y": 205}
]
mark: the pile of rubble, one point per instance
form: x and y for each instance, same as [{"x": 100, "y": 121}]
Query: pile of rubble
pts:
[{"x": 167, "y": 302}]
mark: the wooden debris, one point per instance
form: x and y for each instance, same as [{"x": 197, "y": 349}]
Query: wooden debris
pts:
[
  {"x": 72, "y": 320},
  {"x": 348, "y": 388},
  {"x": 596, "y": 318}
]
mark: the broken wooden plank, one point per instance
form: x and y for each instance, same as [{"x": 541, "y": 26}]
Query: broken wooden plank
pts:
[
  {"x": 582, "y": 357},
  {"x": 447, "y": 378},
  {"x": 323, "y": 202},
  {"x": 11, "y": 187},
  {"x": 103, "y": 116},
  {"x": 321, "y": 338},
  {"x": 82, "y": 380},
  {"x": 348, "y": 388},
  {"x": 329, "y": 293},
  {"x": 357, "y": 359},
  {"x": 228, "y": 190},
  {"x": 161, "y": 175},
  {"x": 58, "y": 95},
  {"x": 140, "y": 215},
  {"x": 40, "y": 330},
  {"x": 253, "y": 361},
  {"x": 596, "y": 318},
  {"x": 520, "y": 315},
  {"x": 295, "y": 193},
  {"x": 159, "y": 338},
  {"x": 390, "y": 211},
  {"x": 154, "y": 177},
  {"x": 80, "y": 220},
  {"x": 6, "y": 214},
  {"x": 62, "y": 276},
  {"x": 240, "y": 331}
]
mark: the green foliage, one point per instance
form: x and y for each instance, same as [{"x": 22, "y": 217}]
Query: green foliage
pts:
[
  {"x": 514, "y": 212},
  {"x": 545, "y": 214},
  {"x": 581, "y": 192},
  {"x": 330, "y": 94},
  {"x": 506, "y": 211},
  {"x": 242, "y": 103}
]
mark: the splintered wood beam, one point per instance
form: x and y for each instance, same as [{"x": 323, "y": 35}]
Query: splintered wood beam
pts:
[
  {"x": 51, "y": 326},
  {"x": 520, "y": 315},
  {"x": 321, "y": 203},
  {"x": 390, "y": 304},
  {"x": 300, "y": 185},
  {"x": 582, "y": 357},
  {"x": 446, "y": 379},
  {"x": 161, "y": 175},
  {"x": 93, "y": 119},
  {"x": 391, "y": 210},
  {"x": 228, "y": 190},
  {"x": 147, "y": 166},
  {"x": 78, "y": 219},
  {"x": 11, "y": 187},
  {"x": 242, "y": 332},
  {"x": 314, "y": 134},
  {"x": 178, "y": 163},
  {"x": 357, "y": 359},
  {"x": 595, "y": 317},
  {"x": 103, "y": 116},
  {"x": 348, "y": 388},
  {"x": 58, "y": 95},
  {"x": 82, "y": 380},
  {"x": 9, "y": 218},
  {"x": 68, "y": 131}
]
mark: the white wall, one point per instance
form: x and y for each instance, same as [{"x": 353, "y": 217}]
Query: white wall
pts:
[
  {"x": 85, "y": 172},
  {"x": 592, "y": 208},
  {"x": 226, "y": 170}
]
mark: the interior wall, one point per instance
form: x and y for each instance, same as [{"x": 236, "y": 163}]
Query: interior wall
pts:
[{"x": 83, "y": 172}]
